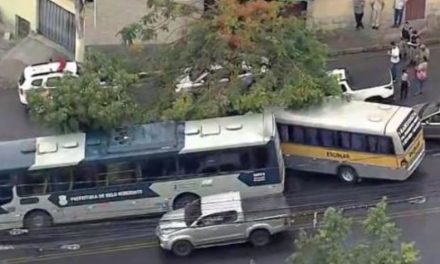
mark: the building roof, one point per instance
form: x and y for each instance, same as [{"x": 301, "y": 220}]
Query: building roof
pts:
[
  {"x": 356, "y": 116},
  {"x": 228, "y": 132}
]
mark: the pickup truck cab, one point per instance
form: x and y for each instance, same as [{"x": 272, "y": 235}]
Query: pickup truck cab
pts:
[
  {"x": 377, "y": 90},
  {"x": 223, "y": 219}
]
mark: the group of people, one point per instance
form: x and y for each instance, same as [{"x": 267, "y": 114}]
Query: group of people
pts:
[
  {"x": 416, "y": 54},
  {"x": 377, "y": 7}
]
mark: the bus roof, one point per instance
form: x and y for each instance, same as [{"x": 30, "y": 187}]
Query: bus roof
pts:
[
  {"x": 228, "y": 132},
  {"x": 354, "y": 116},
  {"x": 139, "y": 140}
]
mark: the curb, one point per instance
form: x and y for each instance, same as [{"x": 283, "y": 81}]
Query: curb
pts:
[{"x": 378, "y": 47}]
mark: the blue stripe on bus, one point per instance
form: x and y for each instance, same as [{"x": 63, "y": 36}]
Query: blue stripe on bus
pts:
[
  {"x": 102, "y": 195},
  {"x": 260, "y": 177}
]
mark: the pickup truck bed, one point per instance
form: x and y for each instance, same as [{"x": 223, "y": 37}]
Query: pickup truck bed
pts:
[{"x": 265, "y": 207}]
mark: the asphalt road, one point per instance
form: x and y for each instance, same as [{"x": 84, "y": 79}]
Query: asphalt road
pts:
[{"x": 133, "y": 241}]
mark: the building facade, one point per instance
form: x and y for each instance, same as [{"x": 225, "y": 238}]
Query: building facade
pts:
[{"x": 103, "y": 19}]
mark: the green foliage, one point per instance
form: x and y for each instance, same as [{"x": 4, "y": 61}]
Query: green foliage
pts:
[
  {"x": 229, "y": 35},
  {"x": 84, "y": 102},
  {"x": 329, "y": 244}
]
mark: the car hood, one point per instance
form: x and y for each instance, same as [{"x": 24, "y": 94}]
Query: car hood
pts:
[{"x": 173, "y": 220}]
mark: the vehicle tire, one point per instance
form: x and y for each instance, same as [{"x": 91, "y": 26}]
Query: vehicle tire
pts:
[
  {"x": 182, "y": 248},
  {"x": 348, "y": 174},
  {"x": 184, "y": 199},
  {"x": 37, "y": 220},
  {"x": 259, "y": 237}
]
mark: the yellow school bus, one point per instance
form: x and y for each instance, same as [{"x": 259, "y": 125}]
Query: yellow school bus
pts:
[{"x": 352, "y": 139}]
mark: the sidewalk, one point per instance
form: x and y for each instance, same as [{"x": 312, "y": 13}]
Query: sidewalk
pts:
[{"x": 350, "y": 40}]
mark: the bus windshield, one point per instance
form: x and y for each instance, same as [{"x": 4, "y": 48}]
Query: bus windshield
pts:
[
  {"x": 5, "y": 189},
  {"x": 193, "y": 211}
]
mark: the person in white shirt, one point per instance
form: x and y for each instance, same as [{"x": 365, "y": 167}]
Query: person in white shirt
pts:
[
  {"x": 399, "y": 6},
  {"x": 394, "y": 59}
]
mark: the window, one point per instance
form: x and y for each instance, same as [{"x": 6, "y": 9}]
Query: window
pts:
[
  {"x": 89, "y": 176},
  {"x": 260, "y": 158},
  {"x": 33, "y": 183},
  {"x": 385, "y": 145},
  {"x": 218, "y": 219},
  {"x": 311, "y": 136},
  {"x": 121, "y": 173},
  {"x": 283, "y": 131},
  {"x": 435, "y": 118},
  {"x": 5, "y": 188},
  {"x": 297, "y": 134},
  {"x": 233, "y": 160},
  {"x": 358, "y": 142},
  {"x": 189, "y": 164},
  {"x": 343, "y": 88},
  {"x": 328, "y": 138},
  {"x": 61, "y": 179},
  {"x": 373, "y": 144},
  {"x": 53, "y": 81},
  {"x": 37, "y": 82},
  {"x": 156, "y": 167}
]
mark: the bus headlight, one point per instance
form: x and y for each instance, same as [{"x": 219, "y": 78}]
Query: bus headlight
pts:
[{"x": 404, "y": 164}]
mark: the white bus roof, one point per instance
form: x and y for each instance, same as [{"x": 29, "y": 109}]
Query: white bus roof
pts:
[
  {"x": 228, "y": 132},
  {"x": 354, "y": 116}
]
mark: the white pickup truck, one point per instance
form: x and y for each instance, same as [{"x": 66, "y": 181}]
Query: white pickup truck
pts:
[
  {"x": 223, "y": 219},
  {"x": 377, "y": 90}
]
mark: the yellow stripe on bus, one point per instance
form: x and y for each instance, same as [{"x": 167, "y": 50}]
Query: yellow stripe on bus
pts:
[{"x": 390, "y": 161}]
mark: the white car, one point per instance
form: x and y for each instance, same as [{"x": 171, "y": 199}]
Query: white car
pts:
[
  {"x": 380, "y": 93},
  {"x": 192, "y": 79},
  {"x": 42, "y": 75}
]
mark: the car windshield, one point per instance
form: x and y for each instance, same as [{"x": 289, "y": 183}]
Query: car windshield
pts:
[
  {"x": 192, "y": 212},
  {"x": 431, "y": 108}
]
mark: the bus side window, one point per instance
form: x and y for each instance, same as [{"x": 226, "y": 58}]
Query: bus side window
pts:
[
  {"x": 33, "y": 183},
  {"x": 327, "y": 138},
  {"x": 311, "y": 136},
  {"x": 157, "y": 167},
  {"x": 385, "y": 145},
  {"x": 121, "y": 173},
  {"x": 373, "y": 144},
  {"x": 260, "y": 157},
  {"x": 189, "y": 164},
  {"x": 358, "y": 142},
  {"x": 5, "y": 189},
  {"x": 283, "y": 130},
  {"x": 88, "y": 176},
  {"x": 61, "y": 179},
  {"x": 229, "y": 161},
  {"x": 345, "y": 139},
  {"x": 296, "y": 134}
]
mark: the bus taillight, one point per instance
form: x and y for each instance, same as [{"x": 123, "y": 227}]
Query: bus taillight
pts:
[{"x": 404, "y": 164}]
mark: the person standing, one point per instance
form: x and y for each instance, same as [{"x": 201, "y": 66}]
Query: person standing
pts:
[
  {"x": 421, "y": 75},
  {"x": 394, "y": 59},
  {"x": 404, "y": 85},
  {"x": 376, "y": 13},
  {"x": 359, "y": 12},
  {"x": 399, "y": 6},
  {"x": 424, "y": 52},
  {"x": 405, "y": 39},
  {"x": 413, "y": 47}
]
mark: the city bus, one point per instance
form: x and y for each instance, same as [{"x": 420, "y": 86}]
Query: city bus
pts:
[
  {"x": 136, "y": 170},
  {"x": 352, "y": 139}
]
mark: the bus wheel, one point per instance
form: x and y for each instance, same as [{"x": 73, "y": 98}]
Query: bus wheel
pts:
[
  {"x": 347, "y": 174},
  {"x": 37, "y": 220},
  {"x": 182, "y": 248},
  {"x": 183, "y": 200}
]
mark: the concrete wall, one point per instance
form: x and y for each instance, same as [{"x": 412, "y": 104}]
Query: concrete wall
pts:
[
  {"x": 102, "y": 25},
  {"x": 27, "y": 9}
]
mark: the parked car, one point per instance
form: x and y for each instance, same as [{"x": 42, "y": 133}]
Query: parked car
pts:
[
  {"x": 382, "y": 92},
  {"x": 223, "y": 219},
  {"x": 43, "y": 75},
  {"x": 192, "y": 78},
  {"x": 429, "y": 114}
]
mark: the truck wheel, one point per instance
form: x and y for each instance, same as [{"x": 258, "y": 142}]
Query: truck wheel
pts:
[
  {"x": 183, "y": 200},
  {"x": 347, "y": 174},
  {"x": 182, "y": 248},
  {"x": 259, "y": 238},
  {"x": 37, "y": 220}
]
